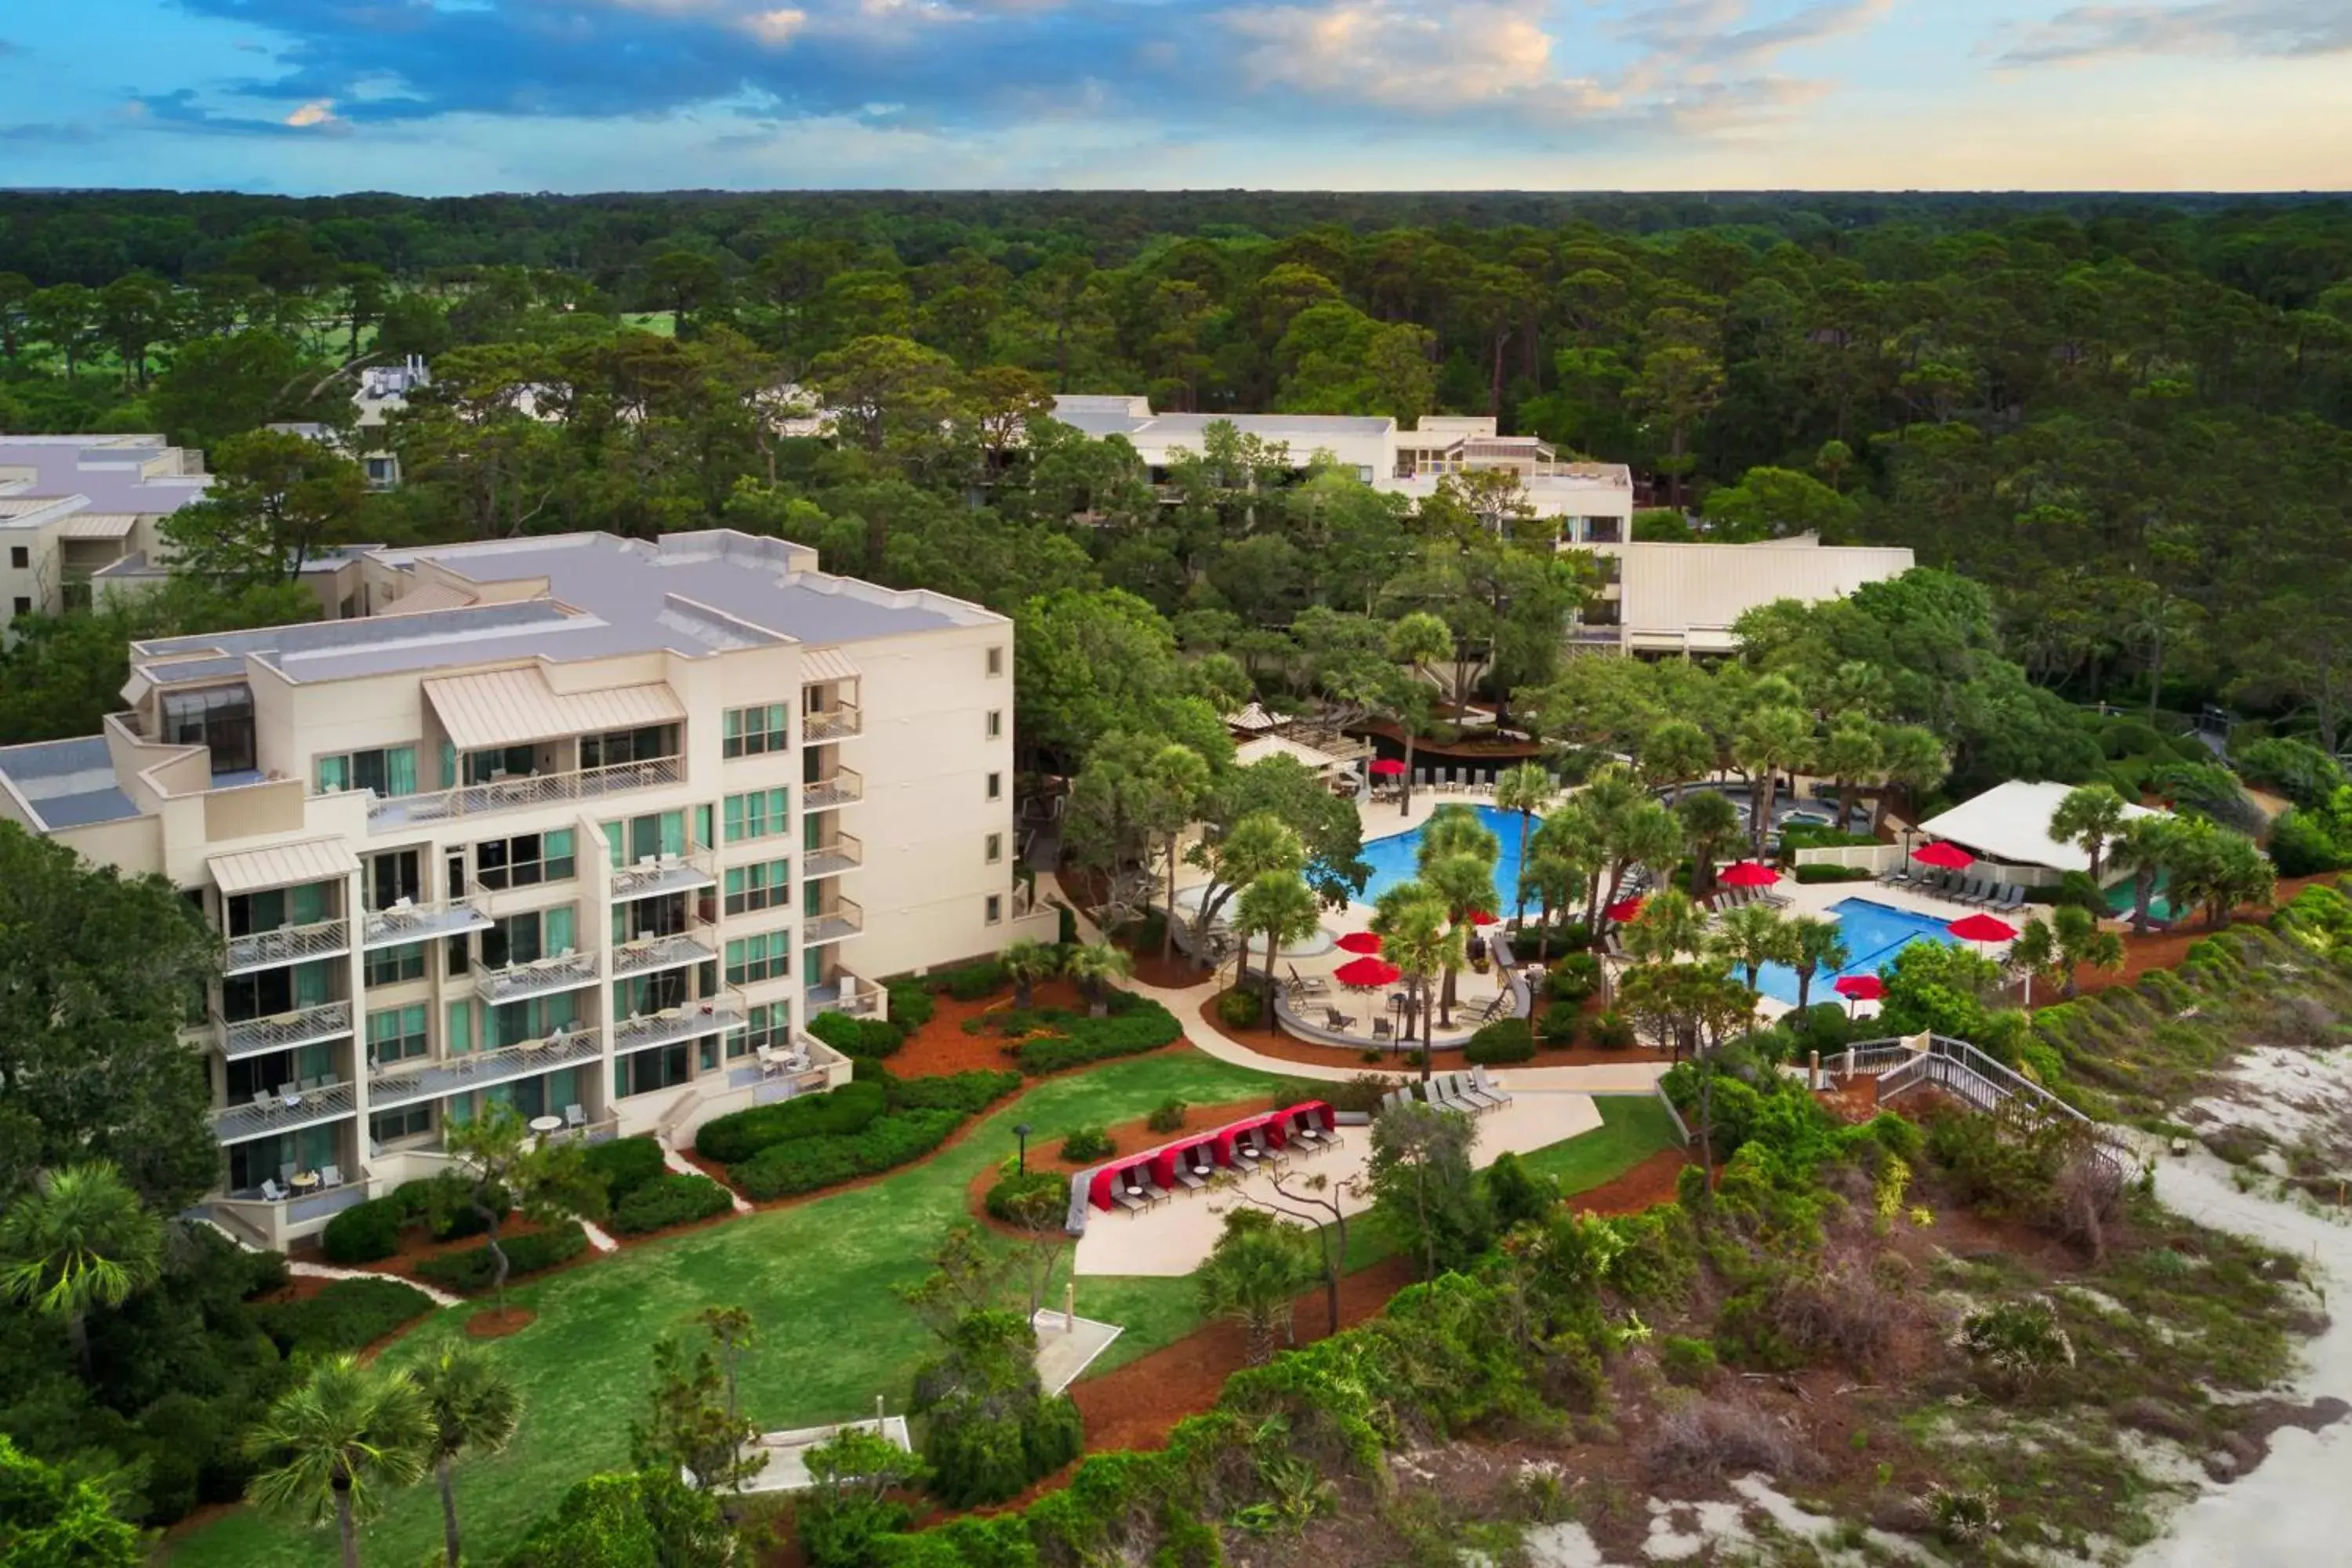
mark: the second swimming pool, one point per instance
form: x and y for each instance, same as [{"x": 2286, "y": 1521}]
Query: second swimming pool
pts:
[{"x": 1873, "y": 933}]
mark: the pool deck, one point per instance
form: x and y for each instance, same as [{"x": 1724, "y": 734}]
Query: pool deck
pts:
[{"x": 1819, "y": 898}]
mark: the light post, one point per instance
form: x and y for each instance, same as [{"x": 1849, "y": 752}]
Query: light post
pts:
[{"x": 1021, "y": 1131}]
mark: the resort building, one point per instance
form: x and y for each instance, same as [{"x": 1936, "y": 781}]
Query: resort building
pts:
[
  {"x": 1684, "y": 598},
  {"x": 589, "y": 826},
  {"x": 71, "y": 506}
]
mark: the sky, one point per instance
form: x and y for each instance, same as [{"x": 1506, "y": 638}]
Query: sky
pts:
[{"x": 446, "y": 97}]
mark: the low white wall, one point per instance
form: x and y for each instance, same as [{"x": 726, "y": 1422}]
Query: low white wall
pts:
[{"x": 1886, "y": 857}]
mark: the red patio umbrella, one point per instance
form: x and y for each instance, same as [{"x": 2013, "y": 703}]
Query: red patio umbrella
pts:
[
  {"x": 1859, "y": 987},
  {"x": 1484, "y": 917},
  {"x": 1624, "y": 911},
  {"x": 1387, "y": 767},
  {"x": 1366, "y": 973},
  {"x": 1361, "y": 942},
  {"x": 1982, "y": 928},
  {"x": 1749, "y": 874},
  {"x": 1944, "y": 856}
]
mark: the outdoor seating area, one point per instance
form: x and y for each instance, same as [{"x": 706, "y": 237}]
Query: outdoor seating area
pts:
[
  {"x": 291, "y": 1183},
  {"x": 1473, "y": 1093},
  {"x": 1189, "y": 1165},
  {"x": 1957, "y": 888}
]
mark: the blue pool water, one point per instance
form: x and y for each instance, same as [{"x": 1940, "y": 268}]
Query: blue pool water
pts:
[
  {"x": 1394, "y": 859},
  {"x": 1875, "y": 932}
]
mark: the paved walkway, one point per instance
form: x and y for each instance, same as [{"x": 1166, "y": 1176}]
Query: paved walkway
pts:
[
  {"x": 686, "y": 1167},
  {"x": 439, "y": 1296}
]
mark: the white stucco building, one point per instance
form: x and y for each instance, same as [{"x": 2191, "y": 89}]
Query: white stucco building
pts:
[
  {"x": 587, "y": 825},
  {"x": 71, "y": 506},
  {"x": 1661, "y": 598}
]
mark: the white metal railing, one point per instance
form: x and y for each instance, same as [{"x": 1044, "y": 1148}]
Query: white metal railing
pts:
[
  {"x": 287, "y": 945},
  {"x": 846, "y": 785},
  {"x": 283, "y": 1031},
  {"x": 848, "y": 994},
  {"x": 648, "y": 953},
  {"x": 843, "y": 853},
  {"x": 844, "y": 919},
  {"x": 1979, "y": 1080},
  {"x": 281, "y": 1112},
  {"x": 405, "y": 923},
  {"x": 392, "y": 813},
  {"x": 407, "y": 1084},
  {"x": 690, "y": 1021},
  {"x": 274, "y": 1220},
  {"x": 695, "y": 867},
  {"x": 833, "y": 724},
  {"x": 539, "y": 977}
]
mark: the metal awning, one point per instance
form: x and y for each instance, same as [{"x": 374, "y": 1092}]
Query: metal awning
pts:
[
  {"x": 826, "y": 663},
  {"x": 516, "y": 707},
  {"x": 98, "y": 525},
  {"x": 283, "y": 866}
]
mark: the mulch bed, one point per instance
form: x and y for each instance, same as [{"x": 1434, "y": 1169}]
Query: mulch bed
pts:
[
  {"x": 2166, "y": 949},
  {"x": 493, "y": 1324},
  {"x": 1129, "y": 1137},
  {"x": 942, "y": 1046}
]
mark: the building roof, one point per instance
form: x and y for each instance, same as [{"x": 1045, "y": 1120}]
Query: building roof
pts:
[
  {"x": 65, "y": 784},
  {"x": 827, "y": 664},
  {"x": 516, "y": 707},
  {"x": 1691, "y": 594},
  {"x": 2010, "y": 823},
  {"x": 283, "y": 865},
  {"x": 98, "y": 525},
  {"x": 1133, "y": 417},
  {"x": 1266, "y": 746},
  {"x": 105, "y": 471}
]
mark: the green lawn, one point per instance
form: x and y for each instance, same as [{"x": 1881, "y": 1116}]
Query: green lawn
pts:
[{"x": 817, "y": 1281}]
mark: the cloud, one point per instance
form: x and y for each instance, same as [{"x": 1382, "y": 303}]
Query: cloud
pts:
[
  {"x": 1404, "y": 54},
  {"x": 2276, "y": 28},
  {"x": 317, "y": 111},
  {"x": 181, "y": 112}
]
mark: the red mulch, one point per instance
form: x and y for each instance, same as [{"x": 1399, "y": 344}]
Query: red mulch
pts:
[
  {"x": 1128, "y": 1137},
  {"x": 493, "y": 1324},
  {"x": 942, "y": 1046},
  {"x": 2166, "y": 949}
]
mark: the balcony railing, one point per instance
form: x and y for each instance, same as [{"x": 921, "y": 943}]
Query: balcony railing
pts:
[
  {"x": 283, "y": 1031},
  {"x": 844, "y": 852},
  {"x": 274, "y": 1221},
  {"x": 287, "y": 945},
  {"x": 844, "y": 786},
  {"x": 407, "y": 1084},
  {"x": 695, "y": 1020},
  {"x": 405, "y": 923},
  {"x": 646, "y": 954},
  {"x": 847, "y": 994},
  {"x": 833, "y": 724},
  {"x": 283, "y": 1113},
  {"x": 697, "y": 868},
  {"x": 845, "y": 918},
  {"x": 541, "y": 977},
  {"x": 393, "y": 814}
]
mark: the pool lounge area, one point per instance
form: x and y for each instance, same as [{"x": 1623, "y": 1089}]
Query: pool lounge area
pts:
[{"x": 1875, "y": 932}]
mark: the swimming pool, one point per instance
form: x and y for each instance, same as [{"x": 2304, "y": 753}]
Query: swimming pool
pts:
[
  {"x": 1395, "y": 858},
  {"x": 1873, "y": 933}
]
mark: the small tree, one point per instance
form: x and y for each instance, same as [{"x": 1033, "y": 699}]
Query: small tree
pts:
[
  {"x": 731, "y": 1332},
  {"x": 1279, "y": 907},
  {"x": 1028, "y": 962},
  {"x": 1260, "y": 1264},
  {"x": 497, "y": 1155},
  {"x": 331, "y": 1447},
  {"x": 1416, "y": 641},
  {"x": 80, "y": 1239},
  {"x": 1752, "y": 936},
  {"x": 1526, "y": 789},
  {"x": 2070, "y": 940},
  {"x": 688, "y": 1426},
  {"x": 1414, "y": 935},
  {"x": 848, "y": 1506},
  {"x": 474, "y": 1409},
  {"x": 1319, "y": 1197},
  {"x": 1710, "y": 826},
  {"x": 51, "y": 1518},
  {"x": 1814, "y": 945},
  {"x": 276, "y": 499},
  {"x": 2088, "y": 817},
  {"x": 1094, "y": 968},
  {"x": 1425, "y": 1193}
]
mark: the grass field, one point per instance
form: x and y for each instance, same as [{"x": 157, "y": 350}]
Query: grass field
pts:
[{"x": 817, "y": 1279}]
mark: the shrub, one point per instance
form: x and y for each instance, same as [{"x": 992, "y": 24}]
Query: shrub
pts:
[
  {"x": 1168, "y": 1115},
  {"x": 1136, "y": 1023},
  {"x": 2296, "y": 769},
  {"x": 2015, "y": 1342},
  {"x": 1518, "y": 1196},
  {"x": 670, "y": 1199},
  {"x": 1503, "y": 1040},
  {"x": 1087, "y": 1145},
  {"x": 968, "y": 1093},
  {"x": 470, "y": 1271},
  {"x": 623, "y": 1165},
  {"x": 348, "y": 1315},
  {"x": 1612, "y": 1031},
  {"x": 1573, "y": 978},
  {"x": 1811, "y": 874},
  {"x": 875, "y": 1038},
  {"x": 1561, "y": 1023},
  {"x": 1361, "y": 1092},
  {"x": 740, "y": 1134},
  {"x": 912, "y": 1006},
  {"x": 1011, "y": 1196},
  {"x": 365, "y": 1233},
  {"x": 1241, "y": 1008},
  {"x": 444, "y": 1202},
  {"x": 805, "y": 1164},
  {"x": 1687, "y": 1360},
  {"x": 970, "y": 981},
  {"x": 1708, "y": 1440},
  {"x": 2302, "y": 846}
]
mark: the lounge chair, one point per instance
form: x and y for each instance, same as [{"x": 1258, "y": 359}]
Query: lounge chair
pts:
[
  {"x": 1307, "y": 985},
  {"x": 1190, "y": 1180},
  {"x": 1443, "y": 1098},
  {"x": 1267, "y": 1150},
  {"x": 1129, "y": 1200},
  {"x": 1488, "y": 1086},
  {"x": 1152, "y": 1191},
  {"x": 1337, "y": 1021},
  {"x": 1420, "y": 778},
  {"x": 1978, "y": 891},
  {"x": 1393, "y": 1098},
  {"x": 1382, "y": 1030},
  {"x": 331, "y": 1176},
  {"x": 2012, "y": 897},
  {"x": 1466, "y": 1088},
  {"x": 272, "y": 1192},
  {"x": 1898, "y": 875}
]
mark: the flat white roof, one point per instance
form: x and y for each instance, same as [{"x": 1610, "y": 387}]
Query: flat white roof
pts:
[{"x": 2011, "y": 822}]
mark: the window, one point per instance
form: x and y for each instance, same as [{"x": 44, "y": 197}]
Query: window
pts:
[
  {"x": 996, "y": 661},
  {"x": 628, "y": 746},
  {"x": 643, "y": 1072},
  {"x": 756, "y": 731},
  {"x": 769, "y": 1024},
  {"x": 662, "y": 914},
  {"x": 506, "y": 762},
  {"x": 995, "y": 908},
  {"x": 396, "y": 1034},
  {"x": 995, "y": 847},
  {"x": 391, "y": 966},
  {"x": 762, "y": 813},
  {"x": 996, "y": 723},
  {"x": 220, "y": 717},
  {"x": 527, "y": 938},
  {"x": 759, "y": 887},
  {"x": 409, "y": 1121},
  {"x": 996, "y": 786},
  {"x": 525, "y": 860},
  {"x": 395, "y": 874},
  {"x": 19, "y": 556},
  {"x": 649, "y": 837},
  {"x": 274, "y": 909},
  {"x": 388, "y": 771},
  {"x": 767, "y": 956},
  {"x": 23, "y": 607}
]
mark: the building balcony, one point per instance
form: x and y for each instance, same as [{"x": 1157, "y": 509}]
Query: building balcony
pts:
[
  {"x": 286, "y": 944},
  {"x": 845, "y": 918},
  {"x": 520, "y": 792},
  {"x": 833, "y": 724},
  {"x": 277, "y": 1223},
  {"x": 845, "y": 993},
  {"x": 654, "y": 875},
  {"x": 845, "y": 786},
  {"x": 283, "y": 1112},
  {"x": 675, "y": 951},
  {"x": 283, "y": 1031},
  {"x": 844, "y": 853},
  {"x": 407, "y": 1084},
  {"x": 715, "y": 1015},
  {"x": 406, "y": 923},
  {"x": 541, "y": 977}
]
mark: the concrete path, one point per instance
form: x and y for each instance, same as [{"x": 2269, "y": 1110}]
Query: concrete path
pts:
[
  {"x": 598, "y": 1239},
  {"x": 686, "y": 1167},
  {"x": 439, "y": 1296}
]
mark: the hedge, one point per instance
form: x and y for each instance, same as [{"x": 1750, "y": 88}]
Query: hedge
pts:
[
  {"x": 851, "y": 1036},
  {"x": 625, "y": 1164},
  {"x": 366, "y": 1232},
  {"x": 670, "y": 1199},
  {"x": 457, "y": 1216},
  {"x": 1503, "y": 1040},
  {"x": 970, "y": 981},
  {"x": 805, "y": 1164},
  {"x": 348, "y": 1315},
  {"x": 470, "y": 1271},
  {"x": 912, "y": 1006},
  {"x": 968, "y": 1093},
  {"x": 1013, "y": 1192},
  {"x": 1812, "y": 874},
  {"x": 1136, "y": 1023},
  {"x": 740, "y": 1134}
]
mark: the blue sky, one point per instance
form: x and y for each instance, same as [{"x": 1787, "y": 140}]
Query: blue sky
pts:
[{"x": 439, "y": 97}]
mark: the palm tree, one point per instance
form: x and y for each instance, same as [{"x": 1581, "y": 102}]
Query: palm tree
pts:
[
  {"x": 1093, "y": 968},
  {"x": 1553, "y": 879},
  {"x": 1814, "y": 945},
  {"x": 1526, "y": 789},
  {"x": 1176, "y": 779},
  {"x": 1258, "y": 843},
  {"x": 1416, "y": 937},
  {"x": 1028, "y": 961},
  {"x": 1770, "y": 740},
  {"x": 1752, "y": 936},
  {"x": 1675, "y": 751},
  {"x": 1850, "y": 753},
  {"x": 1669, "y": 923},
  {"x": 2142, "y": 846},
  {"x": 1570, "y": 840},
  {"x": 1646, "y": 834},
  {"x": 1280, "y": 907},
  {"x": 332, "y": 1446},
  {"x": 1466, "y": 884},
  {"x": 474, "y": 1408},
  {"x": 1909, "y": 758},
  {"x": 1454, "y": 830},
  {"x": 2088, "y": 818},
  {"x": 1710, "y": 826},
  {"x": 1416, "y": 641},
  {"x": 1259, "y": 1266},
  {"x": 80, "y": 1239}
]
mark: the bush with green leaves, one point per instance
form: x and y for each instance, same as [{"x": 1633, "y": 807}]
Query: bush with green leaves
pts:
[
  {"x": 805, "y": 1164},
  {"x": 1688, "y": 1362},
  {"x": 625, "y": 1164},
  {"x": 1810, "y": 875},
  {"x": 1960, "y": 1516},
  {"x": 740, "y": 1134},
  {"x": 1136, "y": 1025},
  {"x": 366, "y": 1232},
  {"x": 1561, "y": 1023},
  {"x": 471, "y": 1271},
  {"x": 670, "y": 1198},
  {"x": 1573, "y": 978},
  {"x": 970, "y": 1092},
  {"x": 1503, "y": 1041},
  {"x": 1243, "y": 1007},
  {"x": 1168, "y": 1115},
  {"x": 911, "y": 1005},
  {"x": 2015, "y": 1343},
  {"x": 874, "y": 1037},
  {"x": 970, "y": 981},
  {"x": 1085, "y": 1145},
  {"x": 1517, "y": 1195},
  {"x": 1612, "y": 1031},
  {"x": 2298, "y": 770},
  {"x": 443, "y": 1204},
  {"x": 348, "y": 1315},
  {"x": 1013, "y": 1197}
]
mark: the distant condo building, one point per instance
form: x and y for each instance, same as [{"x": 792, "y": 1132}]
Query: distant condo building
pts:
[
  {"x": 589, "y": 826},
  {"x": 73, "y": 506}
]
